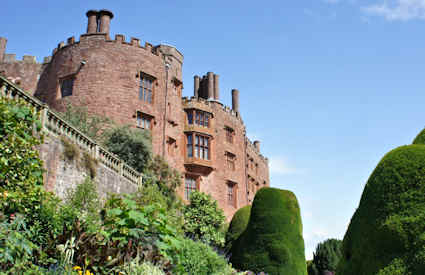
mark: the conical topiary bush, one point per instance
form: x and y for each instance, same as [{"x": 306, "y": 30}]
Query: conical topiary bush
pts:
[{"x": 272, "y": 241}]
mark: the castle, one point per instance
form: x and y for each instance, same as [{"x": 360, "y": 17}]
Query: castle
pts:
[{"x": 142, "y": 86}]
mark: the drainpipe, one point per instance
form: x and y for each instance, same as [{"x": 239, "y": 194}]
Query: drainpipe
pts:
[{"x": 167, "y": 66}]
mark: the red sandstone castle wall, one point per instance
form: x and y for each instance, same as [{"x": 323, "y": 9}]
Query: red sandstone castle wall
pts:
[{"x": 106, "y": 77}]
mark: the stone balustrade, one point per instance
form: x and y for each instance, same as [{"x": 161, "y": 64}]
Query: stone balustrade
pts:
[{"x": 53, "y": 124}]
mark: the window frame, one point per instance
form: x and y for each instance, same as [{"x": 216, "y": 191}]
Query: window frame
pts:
[
  {"x": 192, "y": 187},
  {"x": 232, "y": 193},
  {"x": 199, "y": 118},
  {"x": 146, "y": 94},
  {"x": 66, "y": 80},
  {"x": 198, "y": 146},
  {"x": 230, "y": 133},
  {"x": 142, "y": 118},
  {"x": 230, "y": 161}
]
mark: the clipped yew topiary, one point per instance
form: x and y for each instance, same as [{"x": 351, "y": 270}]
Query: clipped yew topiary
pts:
[
  {"x": 237, "y": 225},
  {"x": 272, "y": 241},
  {"x": 420, "y": 138},
  {"x": 386, "y": 234}
]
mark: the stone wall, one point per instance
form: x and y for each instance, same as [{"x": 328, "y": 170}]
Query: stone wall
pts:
[{"x": 63, "y": 174}]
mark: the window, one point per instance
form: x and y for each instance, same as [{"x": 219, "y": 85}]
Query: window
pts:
[
  {"x": 189, "y": 186},
  {"x": 231, "y": 193},
  {"x": 198, "y": 146},
  {"x": 171, "y": 146},
  {"x": 143, "y": 121},
  {"x": 67, "y": 86},
  {"x": 190, "y": 145},
  {"x": 229, "y": 134},
  {"x": 146, "y": 88},
  {"x": 201, "y": 118},
  {"x": 230, "y": 160}
]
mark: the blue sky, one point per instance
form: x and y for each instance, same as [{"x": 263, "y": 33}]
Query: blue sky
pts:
[{"x": 328, "y": 86}]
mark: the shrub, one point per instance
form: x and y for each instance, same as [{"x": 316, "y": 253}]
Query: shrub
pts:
[
  {"x": 389, "y": 222},
  {"x": 420, "y": 138},
  {"x": 199, "y": 258},
  {"x": 327, "y": 256},
  {"x": 90, "y": 125},
  {"x": 82, "y": 204},
  {"x": 71, "y": 151},
  {"x": 90, "y": 164},
  {"x": 134, "y": 146},
  {"x": 237, "y": 225},
  {"x": 204, "y": 220},
  {"x": 137, "y": 267},
  {"x": 272, "y": 241}
]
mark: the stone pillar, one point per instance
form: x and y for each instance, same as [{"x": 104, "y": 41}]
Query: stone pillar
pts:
[
  {"x": 210, "y": 77},
  {"x": 257, "y": 145},
  {"x": 204, "y": 87},
  {"x": 235, "y": 100},
  {"x": 105, "y": 21},
  {"x": 92, "y": 21},
  {"x": 196, "y": 86},
  {"x": 216, "y": 88},
  {"x": 3, "y": 42}
]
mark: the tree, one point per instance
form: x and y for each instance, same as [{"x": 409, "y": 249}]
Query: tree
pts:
[
  {"x": 327, "y": 256},
  {"x": 237, "y": 225},
  {"x": 204, "y": 220},
  {"x": 134, "y": 146}
]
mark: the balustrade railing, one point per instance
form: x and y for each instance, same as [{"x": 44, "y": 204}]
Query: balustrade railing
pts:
[{"x": 54, "y": 124}]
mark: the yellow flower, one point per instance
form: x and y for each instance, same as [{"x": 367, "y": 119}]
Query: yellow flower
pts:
[
  {"x": 77, "y": 268},
  {"x": 80, "y": 272}
]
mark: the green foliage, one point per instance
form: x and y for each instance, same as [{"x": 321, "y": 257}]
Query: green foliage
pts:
[
  {"x": 389, "y": 222},
  {"x": 312, "y": 269},
  {"x": 137, "y": 267},
  {"x": 167, "y": 179},
  {"x": 396, "y": 267},
  {"x": 89, "y": 124},
  {"x": 71, "y": 151},
  {"x": 420, "y": 138},
  {"x": 21, "y": 170},
  {"x": 16, "y": 248},
  {"x": 272, "y": 241},
  {"x": 90, "y": 164},
  {"x": 134, "y": 146},
  {"x": 82, "y": 204},
  {"x": 327, "y": 255},
  {"x": 237, "y": 225},
  {"x": 204, "y": 220},
  {"x": 199, "y": 258}
]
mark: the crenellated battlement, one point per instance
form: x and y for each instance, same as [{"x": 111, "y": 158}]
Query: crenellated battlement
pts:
[
  {"x": 26, "y": 59},
  {"x": 103, "y": 37}
]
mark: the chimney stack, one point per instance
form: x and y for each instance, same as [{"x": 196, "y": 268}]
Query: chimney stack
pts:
[
  {"x": 210, "y": 77},
  {"x": 3, "y": 42},
  {"x": 257, "y": 145},
  {"x": 92, "y": 21},
  {"x": 216, "y": 88},
  {"x": 105, "y": 17},
  {"x": 196, "y": 86},
  {"x": 235, "y": 100}
]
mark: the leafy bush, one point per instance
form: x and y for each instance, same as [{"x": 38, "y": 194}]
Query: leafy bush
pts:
[
  {"x": 71, "y": 151},
  {"x": 272, "y": 241},
  {"x": 420, "y": 138},
  {"x": 90, "y": 164},
  {"x": 136, "y": 267},
  {"x": 199, "y": 258},
  {"x": 89, "y": 124},
  {"x": 204, "y": 220},
  {"x": 134, "y": 146},
  {"x": 389, "y": 222},
  {"x": 326, "y": 257},
  {"x": 16, "y": 248},
  {"x": 237, "y": 225}
]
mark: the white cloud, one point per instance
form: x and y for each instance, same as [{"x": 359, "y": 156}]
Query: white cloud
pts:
[
  {"x": 280, "y": 166},
  {"x": 398, "y": 10}
]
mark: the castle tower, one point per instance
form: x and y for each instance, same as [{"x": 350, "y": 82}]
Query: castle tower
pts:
[{"x": 3, "y": 42}]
